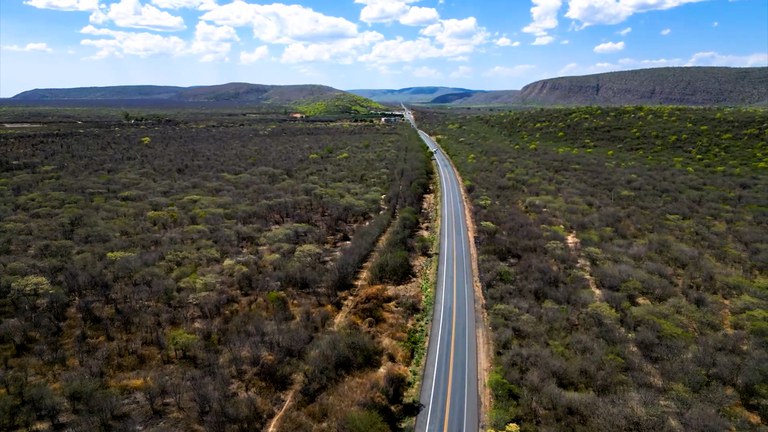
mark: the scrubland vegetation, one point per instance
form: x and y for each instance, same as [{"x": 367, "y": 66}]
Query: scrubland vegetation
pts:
[
  {"x": 181, "y": 272},
  {"x": 348, "y": 104},
  {"x": 623, "y": 253}
]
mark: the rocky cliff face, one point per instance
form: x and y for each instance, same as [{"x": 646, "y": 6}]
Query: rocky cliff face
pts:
[{"x": 661, "y": 86}]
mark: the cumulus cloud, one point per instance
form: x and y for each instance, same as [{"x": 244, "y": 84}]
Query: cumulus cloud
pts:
[
  {"x": 609, "y": 47},
  {"x": 131, "y": 43},
  {"x": 452, "y": 39},
  {"x": 576, "y": 69},
  {"x": 665, "y": 32},
  {"x": 626, "y": 31},
  {"x": 543, "y": 40},
  {"x": 505, "y": 42},
  {"x": 457, "y": 36},
  {"x": 544, "y": 14},
  {"x": 386, "y": 11},
  {"x": 715, "y": 59},
  {"x": 382, "y": 11},
  {"x": 420, "y": 16},
  {"x": 260, "y": 53},
  {"x": 400, "y": 50},
  {"x": 192, "y": 4},
  {"x": 212, "y": 42},
  {"x": 65, "y": 5},
  {"x": 282, "y": 24},
  {"x": 132, "y": 14},
  {"x": 591, "y": 12},
  {"x": 30, "y": 47},
  {"x": 307, "y": 35},
  {"x": 697, "y": 59},
  {"x": 343, "y": 51},
  {"x": 662, "y": 62}
]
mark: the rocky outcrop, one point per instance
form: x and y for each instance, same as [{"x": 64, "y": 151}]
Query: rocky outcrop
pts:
[{"x": 659, "y": 86}]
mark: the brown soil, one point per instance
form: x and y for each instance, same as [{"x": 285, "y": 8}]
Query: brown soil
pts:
[
  {"x": 574, "y": 244},
  {"x": 275, "y": 423},
  {"x": 390, "y": 330}
]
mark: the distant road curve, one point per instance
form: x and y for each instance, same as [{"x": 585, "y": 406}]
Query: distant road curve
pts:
[{"x": 449, "y": 390}]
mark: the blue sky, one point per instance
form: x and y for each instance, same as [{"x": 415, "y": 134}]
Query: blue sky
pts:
[{"x": 347, "y": 44}]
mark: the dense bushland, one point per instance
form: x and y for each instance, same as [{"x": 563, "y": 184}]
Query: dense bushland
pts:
[
  {"x": 180, "y": 271},
  {"x": 623, "y": 253}
]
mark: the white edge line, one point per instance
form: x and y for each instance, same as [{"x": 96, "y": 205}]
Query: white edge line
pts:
[{"x": 442, "y": 306}]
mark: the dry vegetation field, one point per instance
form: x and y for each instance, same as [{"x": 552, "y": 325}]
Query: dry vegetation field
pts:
[
  {"x": 623, "y": 254},
  {"x": 182, "y": 271}
]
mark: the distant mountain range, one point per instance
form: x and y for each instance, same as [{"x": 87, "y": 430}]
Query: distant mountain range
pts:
[
  {"x": 659, "y": 86},
  {"x": 411, "y": 95},
  {"x": 241, "y": 92}
]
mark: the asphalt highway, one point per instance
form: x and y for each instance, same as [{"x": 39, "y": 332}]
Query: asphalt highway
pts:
[{"x": 449, "y": 393}]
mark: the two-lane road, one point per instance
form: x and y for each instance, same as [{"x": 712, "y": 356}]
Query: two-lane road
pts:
[{"x": 449, "y": 391}]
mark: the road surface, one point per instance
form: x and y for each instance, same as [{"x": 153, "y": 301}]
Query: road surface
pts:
[{"x": 449, "y": 391}]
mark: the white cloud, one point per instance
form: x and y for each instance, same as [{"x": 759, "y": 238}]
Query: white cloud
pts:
[
  {"x": 282, "y": 24},
  {"x": 544, "y": 14},
  {"x": 450, "y": 30},
  {"x": 212, "y": 42},
  {"x": 715, "y": 59},
  {"x": 697, "y": 59},
  {"x": 543, "y": 40},
  {"x": 665, "y": 32},
  {"x": 576, "y": 69},
  {"x": 452, "y": 39},
  {"x": 259, "y": 53},
  {"x": 609, "y": 47},
  {"x": 420, "y": 16},
  {"x": 401, "y": 50},
  {"x": 509, "y": 72},
  {"x": 130, "y": 43},
  {"x": 191, "y": 4},
  {"x": 591, "y": 12},
  {"x": 457, "y": 36},
  {"x": 209, "y": 32},
  {"x": 715, "y": 24},
  {"x": 132, "y": 14},
  {"x": 65, "y": 5},
  {"x": 426, "y": 72},
  {"x": 382, "y": 11},
  {"x": 506, "y": 42},
  {"x": 662, "y": 62},
  {"x": 626, "y": 31},
  {"x": 343, "y": 51},
  {"x": 30, "y": 47},
  {"x": 386, "y": 11},
  {"x": 462, "y": 72},
  {"x": 565, "y": 42}
]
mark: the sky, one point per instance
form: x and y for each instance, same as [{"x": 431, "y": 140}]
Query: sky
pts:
[{"x": 355, "y": 44}]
